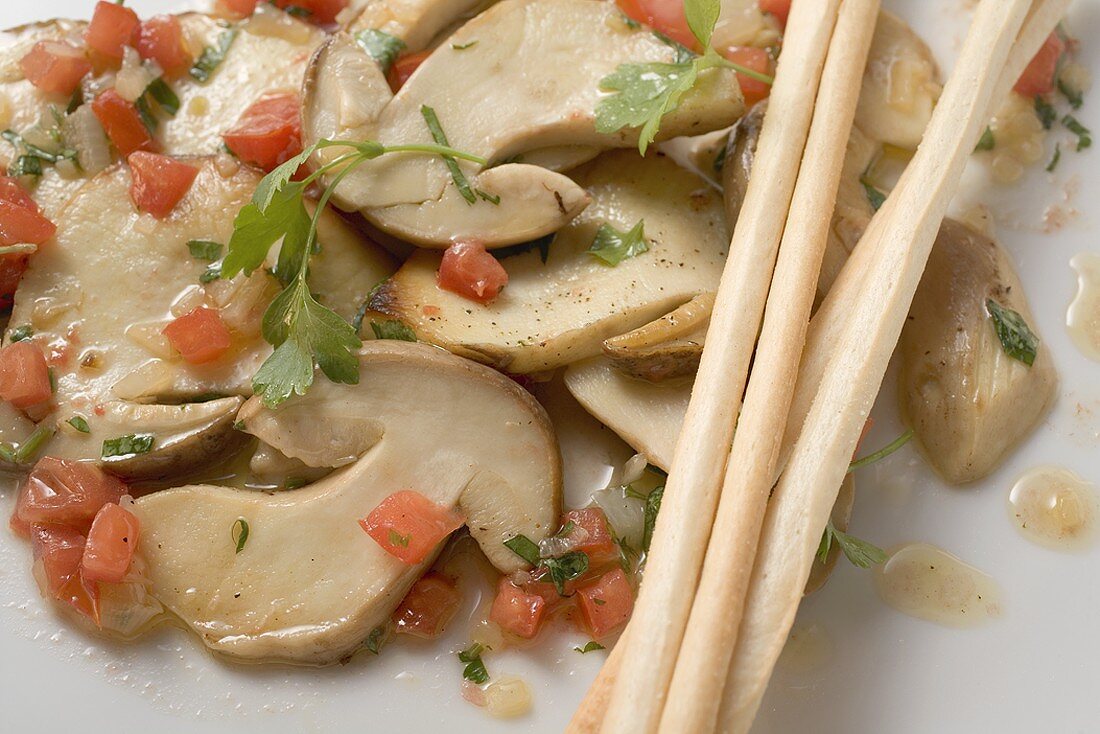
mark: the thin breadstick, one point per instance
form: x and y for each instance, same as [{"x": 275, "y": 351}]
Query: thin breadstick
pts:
[
  {"x": 695, "y": 693},
  {"x": 691, "y": 493},
  {"x": 819, "y": 461}
]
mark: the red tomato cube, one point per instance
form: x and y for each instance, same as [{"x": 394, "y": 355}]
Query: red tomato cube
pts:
[
  {"x": 20, "y": 224},
  {"x": 1038, "y": 77},
  {"x": 320, "y": 11},
  {"x": 112, "y": 29},
  {"x": 240, "y": 8},
  {"x": 11, "y": 191},
  {"x": 516, "y": 611},
  {"x": 160, "y": 39},
  {"x": 665, "y": 16},
  {"x": 606, "y": 605},
  {"x": 24, "y": 375},
  {"x": 159, "y": 182},
  {"x": 428, "y": 607},
  {"x": 111, "y": 545},
  {"x": 64, "y": 492},
  {"x": 403, "y": 67},
  {"x": 471, "y": 272},
  {"x": 409, "y": 526},
  {"x": 122, "y": 123},
  {"x": 11, "y": 272},
  {"x": 57, "y": 551},
  {"x": 599, "y": 545},
  {"x": 781, "y": 9},
  {"x": 55, "y": 66},
  {"x": 756, "y": 59},
  {"x": 199, "y": 336},
  {"x": 269, "y": 132}
]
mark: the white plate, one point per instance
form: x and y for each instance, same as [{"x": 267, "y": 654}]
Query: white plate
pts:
[{"x": 1035, "y": 668}]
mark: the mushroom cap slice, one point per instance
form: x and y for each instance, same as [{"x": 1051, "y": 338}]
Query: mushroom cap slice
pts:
[
  {"x": 416, "y": 22},
  {"x": 518, "y": 89},
  {"x": 557, "y": 312},
  {"x": 310, "y": 585},
  {"x": 968, "y": 401},
  {"x": 669, "y": 347}
]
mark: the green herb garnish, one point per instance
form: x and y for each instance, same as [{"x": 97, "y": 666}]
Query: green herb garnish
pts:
[
  {"x": 205, "y": 250},
  {"x": 474, "y": 671},
  {"x": 239, "y": 533},
  {"x": 565, "y": 568},
  {"x": 392, "y": 329},
  {"x": 1073, "y": 96},
  {"x": 25, "y": 165},
  {"x": 652, "y": 509},
  {"x": 25, "y": 451},
  {"x": 80, "y": 423},
  {"x": 459, "y": 178},
  {"x": 381, "y": 46},
  {"x": 874, "y": 196},
  {"x": 213, "y": 56},
  {"x": 1084, "y": 135},
  {"x": 589, "y": 647},
  {"x": 987, "y": 141},
  {"x": 20, "y": 333},
  {"x": 1056, "y": 159},
  {"x": 525, "y": 548},
  {"x": 463, "y": 46},
  {"x": 642, "y": 94},
  {"x": 613, "y": 246},
  {"x": 882, "y": 453},
  {"x": 164, "y": 96},
  {"x": 1046, "y": 112},
  {"x": 303, "y": 332},
  {"x": 375, "y": 639},
  {"x": 298, "y": 11},
  {"x": 1017, "y": 338},
  {"x": 398, "y": 539},
  {"x": 131, "y": 444},
  {"x": 859, "y": 552}
]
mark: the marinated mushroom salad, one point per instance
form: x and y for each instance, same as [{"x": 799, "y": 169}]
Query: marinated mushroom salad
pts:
[{"x": 290, "y": 285}]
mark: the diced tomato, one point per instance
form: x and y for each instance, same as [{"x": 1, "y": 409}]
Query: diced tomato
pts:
[
  {"x": 12, "y": 267},
  {"x": 320, "y": 11},
  {"x": 606, "y": 604},
  {"x": 1038, "y": 77},
  {"x": 121, "y": 121},
  {"x": 403, "y": 68},
  {"x": 160, "y": 39},
  {"x": 24, "y": 375},
  {"x": 22, "y": 225},
  {"x": 428, "y": 607},
  {"x": 756, "y": 59},
  {"x": 55, "y": 66},
  {"x": 546, "y": 591},
  {"x": 59, "y": 549},
  {"x": 269, "y": 132},
  {"x": 112, "y": 29},
  {"x": 471, "y": 272},
  {"x": 200, "y": 336},
  {"x": 240, "y": 8},
  {"x": 781, "y": 9},
  {"x": 516, "y": 611},
  {"x": 599, "y": 544},
  {"x": 664, "y": 16},
  {"x": 64, "y": 492},
  {"x": 159, "y": 182},
  {"x": 111, "y": 545},
  {"x": 12, "y": 192},
  {"x": 409, "y": 526}
]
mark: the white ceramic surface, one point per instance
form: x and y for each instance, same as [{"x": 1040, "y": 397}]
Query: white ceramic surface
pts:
[{"x": 1036, "y": 668}]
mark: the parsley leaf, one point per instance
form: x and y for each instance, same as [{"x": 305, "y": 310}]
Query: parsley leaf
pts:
[
  {"x": 380, "y": 46},
  {"x": 392, "y": 329},
  {"x": 1017, "y": 338},
  {"x": 613, "y": 246},
  {"x": 589, "y": 647},
  {"x": 566, "y": 568},
  {"x": 159, "y": 91},
  {"x": 1046, "y": 112},
  {"x": 257, "y": 228},
  {"x": 474, "y": 671},
  {"x": 239, "y": 533},
  {"x": 205, "y": 250},
  {"x": 859, "y": 552},
  {"x": 1055, "y": 159},
  {"x": 701, "y": 17},
  {"x": 131, "y": 444},
  {"x": 986, "y": 141},
  {"x": 20, "y": 333},
  {"x": 213, "y": 56},
  {"x": 461, "y": 182},
  {"x": 652, "y": 509},
  {"x": 375, "y": 639},
  {"x": 1084, "y": 135},
  {"x": 525, "y": 548},
  {"x": 1073, "y": 96},
  {"x": 80, "y": 423}
]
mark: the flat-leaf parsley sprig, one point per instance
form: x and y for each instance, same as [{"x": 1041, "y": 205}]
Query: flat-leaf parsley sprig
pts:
[
  {"x": 644, "y": 93},
  {"x": 304, "y": 332}
]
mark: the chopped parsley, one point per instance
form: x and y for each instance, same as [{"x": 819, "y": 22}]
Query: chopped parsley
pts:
[
  {"x": 542, "y": 244},
  {"x": 398, "y": 539},
  {"x": 213, "y": 56},
  {"x": 474, "y": 671},
  {"x": 652, "y": 509},
  {"x": 164, "y": 96},
  {"x": 132, "y": 444},
  {"x": 859, "y": 552},
  {"x": 987, "y": 141},
  {"x": 1046, "y": 112},
  {"x": 565, "y": 568},
  {"x": 1073, "y": 96},
  {"x": 1084, "y": 135},
  {"x": 376, "y": 638},
  {"x": 874, "y": 196},
  {"x": 25, "y": 451},
  {"x": 525, "y": 548},
  {"x": 205, "y": 250},
  {"x": 31, "y": 158},
  {"x": 1056, "y": 159},
  {"x": 589, "y": 647},
  {"x": 21, "y": 333},
  {"x": 463, "y": 46},
  {"x": 239, "y": 534},
  {"x": 459, "y": 178},
  {"x": 380, "y": 46},
  {"x": 1017, "y": 338},
  {"x": 392, "y": 329},
  {"x": 80, "y": 423},
  {"x": 612, "y": 246}
]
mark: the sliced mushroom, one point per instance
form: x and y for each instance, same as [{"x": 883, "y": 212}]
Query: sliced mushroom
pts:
[
  {"x": 99, "y": 296},
  {"x": 415, "y": 22},
  {"x": 669, "y": 347},
  {"x": 309, "y": 584},
  {"x": 557, "y": 312},
  {"x": 514, "y": 91},
  {"x": 969, "y": 402}
]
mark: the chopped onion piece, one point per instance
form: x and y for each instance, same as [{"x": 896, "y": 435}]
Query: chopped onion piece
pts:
[
  {"x": 634, "y": 469},
  {"x": 274, "y": 23},
  {"x": 133, "y": 78},
  {"x": 507, "y": 698},
  {"x": 626, "y": 515},
  {"x": 85, "y": 135}
]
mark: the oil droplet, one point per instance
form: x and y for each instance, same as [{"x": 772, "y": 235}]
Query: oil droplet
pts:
[
  {"x": 1054, "y": 507},
  {"x": 1083, "y": 316},
  {"x": 929, "y": 583},
  {"x": 808, "y": 648}
]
